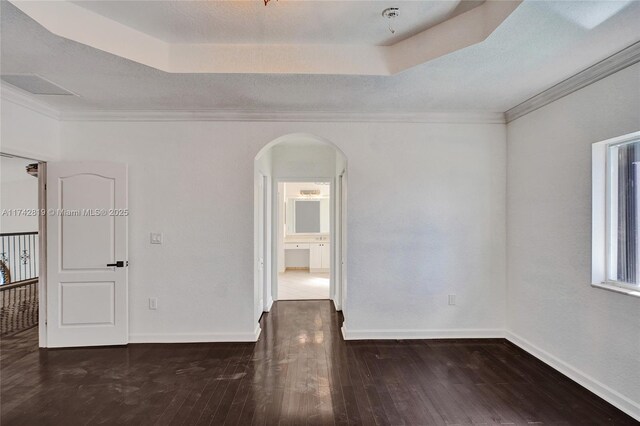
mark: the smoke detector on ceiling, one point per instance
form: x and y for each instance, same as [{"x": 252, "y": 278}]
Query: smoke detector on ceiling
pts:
[{"x": 391, "y": 13}]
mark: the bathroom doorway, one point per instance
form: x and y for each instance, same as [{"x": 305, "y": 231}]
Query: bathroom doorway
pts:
[{"x": 303, "y": 240}]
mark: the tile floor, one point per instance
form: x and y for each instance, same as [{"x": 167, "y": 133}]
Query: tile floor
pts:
[{"x": 303, "y": 285}]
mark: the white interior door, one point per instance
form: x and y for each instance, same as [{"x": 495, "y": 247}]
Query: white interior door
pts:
[{"x": 87, "y": 293}]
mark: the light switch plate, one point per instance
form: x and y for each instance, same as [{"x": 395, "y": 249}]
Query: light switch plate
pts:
[
  {"x": 153, "y": 303},
  {"x": 156, "y": 238}
]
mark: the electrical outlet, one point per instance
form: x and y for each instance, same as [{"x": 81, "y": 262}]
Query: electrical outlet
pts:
[
  {"x": 153, "y": 303},
  {"x": 452, "y": 299},
  {"x": 155, "y": 238}
]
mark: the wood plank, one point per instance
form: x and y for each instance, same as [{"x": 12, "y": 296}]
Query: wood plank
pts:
[{"x": 300, "y": 372}]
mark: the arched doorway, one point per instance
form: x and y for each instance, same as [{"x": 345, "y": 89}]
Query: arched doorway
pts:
[{"x": 296, "y": 158}]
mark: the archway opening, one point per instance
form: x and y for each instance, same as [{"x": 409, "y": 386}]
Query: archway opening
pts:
[{"x": 299, "y": 221}]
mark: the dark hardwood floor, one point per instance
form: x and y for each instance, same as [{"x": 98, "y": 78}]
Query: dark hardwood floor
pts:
[{"x": 300, "y": 372}]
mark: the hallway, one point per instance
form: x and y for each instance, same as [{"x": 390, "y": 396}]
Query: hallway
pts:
[
  {"x": 303, "y": 285},
  {"x": 300, "y": 372}
]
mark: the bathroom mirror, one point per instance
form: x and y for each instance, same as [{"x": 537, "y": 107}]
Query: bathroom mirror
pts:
[{"x": 307, "y": 216}]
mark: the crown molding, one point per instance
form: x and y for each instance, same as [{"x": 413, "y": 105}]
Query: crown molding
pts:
[
  {"x": 470, "y": 117},
  {"x": 614, "y": 63},
  {"x": 27, "y": 100}
]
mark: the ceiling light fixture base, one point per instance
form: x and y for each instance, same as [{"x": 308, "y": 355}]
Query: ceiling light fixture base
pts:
[{"x": 391, "y": 13}]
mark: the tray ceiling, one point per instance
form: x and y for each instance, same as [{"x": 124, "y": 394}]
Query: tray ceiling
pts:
[
  {"x": 281, "y": 22},
  {"x": 537, "y": 46},
  {"x": 288, "y": 37}
]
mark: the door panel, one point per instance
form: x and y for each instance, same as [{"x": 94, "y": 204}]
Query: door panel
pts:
[
  {"x": 94, "y": 193},
  {"x": 88, "y": 303},
  {"x": 87, "y": 300}
]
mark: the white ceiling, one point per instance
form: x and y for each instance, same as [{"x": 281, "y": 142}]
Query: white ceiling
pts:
[
  {"x": 280, "y": 22},
  {"x": 538, "y": 45},
  {"x": 289, "y": 45}
]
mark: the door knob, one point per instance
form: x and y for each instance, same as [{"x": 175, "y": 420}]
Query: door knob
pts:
[{"x": 119, "y": 264}]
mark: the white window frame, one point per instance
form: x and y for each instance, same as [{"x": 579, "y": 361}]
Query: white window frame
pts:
[{"x": 602, "y": 222}]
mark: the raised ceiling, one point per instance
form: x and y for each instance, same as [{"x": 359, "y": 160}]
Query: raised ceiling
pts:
[
  {"x": 281, "y": 22},
  {"x": 537, "y": 46},
  {"x": 303, "y": 37}
]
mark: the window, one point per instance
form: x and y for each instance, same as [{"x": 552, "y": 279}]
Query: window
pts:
[
  {"x": 623, "y": 186},
  {"x": 616, "y": 213}
]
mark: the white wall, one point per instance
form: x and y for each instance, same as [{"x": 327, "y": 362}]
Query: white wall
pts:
[
  {"x": 303, "y": 161},
  {"x": 426, "y": 218},
  {"x": 17, "y": 192},
  {"x": 552, "y": 307},
  {"x": 28, "y": 133},
  {"x": 292, "y": 189}
]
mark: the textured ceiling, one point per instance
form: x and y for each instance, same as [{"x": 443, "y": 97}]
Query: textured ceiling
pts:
[
  {"x": 281, "y": 22},
  {"x": 540, "y": 44}
]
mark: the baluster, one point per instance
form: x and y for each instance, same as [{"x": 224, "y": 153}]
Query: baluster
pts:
[
  {"x": 18, "y": 261},
  {"x": 10, "y": 311},
  {"x": 21, "y": 296},
  {"x": 36, "y": 302},
  {"x": 29, "y": 260},
  {"x": 13, "y": 257},
  {"x": 2, "y": 313},
  {"x": 31, "y": 304},
  {"x": 11, "y": 297},
  {"x": 15, "y": 306},
  {"x": 19, "y": 322}
]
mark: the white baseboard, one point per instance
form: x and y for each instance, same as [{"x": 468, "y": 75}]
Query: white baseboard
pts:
[
  {"x": 616, "y": 399},
  {"x": 195, "y": 337},
  {"x": 269, "y": 305},
  {"x": 336, "y": 304},
  {"x": 257, "y": 331},
  {"x": 421, "y": 334}
]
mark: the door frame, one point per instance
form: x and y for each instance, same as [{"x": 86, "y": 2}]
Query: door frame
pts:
[
  {"x": 337, "y": 241},
  {"x": 104, "y": 169},
  {"x": 263, "y": 235},
  {"x": 42, "y": 231},
  {"x": 339, "y": 251}
]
